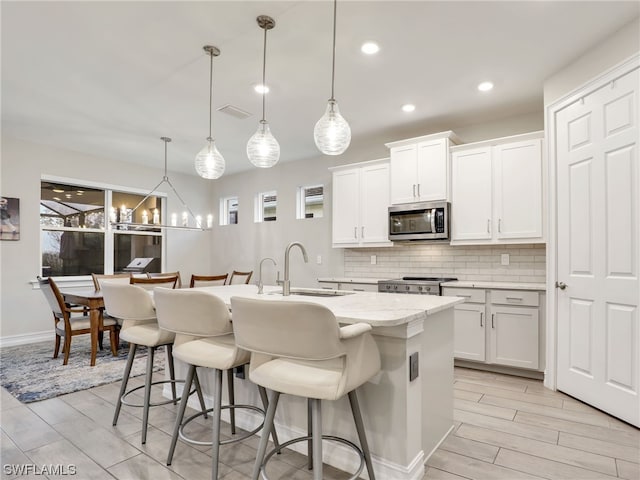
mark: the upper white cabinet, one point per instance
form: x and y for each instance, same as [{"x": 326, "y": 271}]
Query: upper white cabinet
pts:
[
  {"x": 420, "y": 168},
  {"x": 497, "y": 191},
  {"x": 360, "y": 205}
]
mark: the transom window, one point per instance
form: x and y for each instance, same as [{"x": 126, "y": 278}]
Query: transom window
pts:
[
  {"x": 229, "y": 211},
  {"x": 310, "y": 201},
  {"x": 265, "y": 208}
]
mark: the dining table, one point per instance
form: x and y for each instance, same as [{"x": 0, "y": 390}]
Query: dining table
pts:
[{"x": 93, "y": 300}]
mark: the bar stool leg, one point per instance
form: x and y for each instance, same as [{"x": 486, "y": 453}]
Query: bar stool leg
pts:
[
  {"x": 232, "y": 400},
  {"x": 217, "y": 402},
  {"x": 181, "y": 409},
  {"x": 172, "y": 372},
  {"x": 264, "y": 439},
  {"x": 310, "y": 434},
  {"x": 316, "y": 422},
  {"x": 147, "y": 393},
  {"x": 357, "y": 417},
  {"x": 200, "y": 396},
  {"x": 265, "y": 404},
  {"x": 125, "y": 380}
]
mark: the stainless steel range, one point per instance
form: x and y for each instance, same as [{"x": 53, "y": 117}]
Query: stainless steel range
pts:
[{"x": 414, "y": 285}]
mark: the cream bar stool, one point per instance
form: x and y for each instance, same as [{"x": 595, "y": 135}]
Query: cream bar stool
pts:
[
  {"x": 204, "y": 338},
  {"x": 298, "y": 348},
  {"x": 134, "y": 305}
]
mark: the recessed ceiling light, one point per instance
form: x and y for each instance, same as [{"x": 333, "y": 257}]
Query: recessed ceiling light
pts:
[
  {"x": 370, "y": 48},
  {"x": 56, "y": 199},
  {"x": 58, "y": 190},
  {"x": 261, "y": 88},
  {"x": 485, "y": 86},
  {"x": 408, "y": 108}
]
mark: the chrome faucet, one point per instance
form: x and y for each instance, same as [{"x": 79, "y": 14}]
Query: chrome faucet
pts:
[
  {"x": 286, "y": 284},
  {"x": 260, "y": 286}
]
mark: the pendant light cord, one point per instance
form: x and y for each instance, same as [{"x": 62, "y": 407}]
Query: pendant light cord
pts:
[
  {"x": 333, "y": 65},
  {"x": 165, "y": 140},
  {"x": 210, "y": 96},
  {"x": 264, "y": 68}
]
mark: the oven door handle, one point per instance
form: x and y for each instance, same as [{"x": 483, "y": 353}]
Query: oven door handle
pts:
[{"x": 433, "y": 220}]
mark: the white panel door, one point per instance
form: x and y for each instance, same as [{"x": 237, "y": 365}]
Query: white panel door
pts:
[
  {"x": 469, "y": 332},
  {"x": 514, "y": 336},
  {"x": 471, "y": 195},
  {"x": 433, "y": 158},
  {"x": 374, "y": 204},
  {"x": 598, "y": 214},
  {"x": 346, "y": 205},
  {"x": 403, "y": 174},
  {"x": 518, "y": 189}
]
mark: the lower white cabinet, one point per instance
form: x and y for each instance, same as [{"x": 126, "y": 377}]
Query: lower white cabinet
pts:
[
  {"x": 499, "y": 327},
  {"x": 351, "y": 286}
]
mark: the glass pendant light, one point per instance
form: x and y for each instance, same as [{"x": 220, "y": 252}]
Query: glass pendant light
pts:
[
  {"x": 332, "y": 133},
  {"x": 263, "y": 149},
  {"x": 209, "y": 161}
]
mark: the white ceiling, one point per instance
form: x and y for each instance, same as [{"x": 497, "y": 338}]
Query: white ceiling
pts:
[{"x": 110, "y": 78}]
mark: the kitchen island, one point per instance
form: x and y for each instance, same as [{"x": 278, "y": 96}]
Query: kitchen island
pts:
[{"x": 405, "y": 419}]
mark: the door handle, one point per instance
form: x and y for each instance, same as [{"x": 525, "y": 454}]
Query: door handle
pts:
[
  {"x": 481, "y": 314},
  {"x": 493, "y": 325},
  {"x": 488, "y": 225},
  {"x": 355, "y": 232},
  {"x": 561, "y": 285},
  {"x": 362, "y": 232},
  {"x": 414, "y": 189},
  {"x": 499, "y": 225},
  {"x": 433, "y": 216},
  {"x": 418, "y": 190}
]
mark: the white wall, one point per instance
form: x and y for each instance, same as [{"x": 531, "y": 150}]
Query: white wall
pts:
[
  {"x": 613, "y": 50},
  {"x": 242, "y": 246},
  {"x": 24, "y": 310}
]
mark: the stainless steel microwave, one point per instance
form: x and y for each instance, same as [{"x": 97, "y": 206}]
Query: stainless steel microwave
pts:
[{"x": 419, "y": 221}]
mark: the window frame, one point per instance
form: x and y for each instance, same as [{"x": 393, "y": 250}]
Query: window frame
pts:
[
  {"x": 301, "y": 204},
  {"x": 108, "y": 231},
  {"x": 223, "y": 219},
  {"x": 259, "y": 205}
]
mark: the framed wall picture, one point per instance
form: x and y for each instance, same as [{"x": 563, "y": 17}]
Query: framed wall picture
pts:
[{"x": 9, "y": 218}]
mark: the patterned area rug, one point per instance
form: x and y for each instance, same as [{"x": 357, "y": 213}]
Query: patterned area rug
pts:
[{"x": 30, "y": 373}]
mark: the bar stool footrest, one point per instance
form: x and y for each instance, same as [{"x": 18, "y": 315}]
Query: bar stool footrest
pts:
[
  {"x": 332, "y": 438},
  {"x": 182, "y": 435},
  {"x": 166, "y": 402}
]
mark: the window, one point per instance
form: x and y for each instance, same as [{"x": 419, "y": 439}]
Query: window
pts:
[
  {"x": 310, "y": 201},
  {"x": 76, "y": 238},
  {"x": 229, "y": 211},
  {"x": 266, "y": 204}
]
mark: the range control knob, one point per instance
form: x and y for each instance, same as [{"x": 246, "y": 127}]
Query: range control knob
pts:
[
  {"x": 395, "y": 287},
  {"x": 419, "y": 288},
  {"x": 407, "y": 288},
  {"x": 388, "y": 287}
]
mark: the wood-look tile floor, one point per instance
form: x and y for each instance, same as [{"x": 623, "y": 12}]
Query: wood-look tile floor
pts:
[{"x": 505, "y": 428}]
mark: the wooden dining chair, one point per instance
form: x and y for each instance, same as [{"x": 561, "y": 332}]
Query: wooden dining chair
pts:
[
  {"x": 167, "y": 274},
  {"x": 151, "y": 283},
  {"x": 240, "y": 277},
  {"x": 208, "y": 280},
  {"x": 68, "y": 325},
  {"x": 118, "y": 277}
]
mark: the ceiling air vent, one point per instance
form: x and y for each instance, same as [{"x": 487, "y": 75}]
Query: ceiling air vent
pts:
[{"x": 234, "y": 111}]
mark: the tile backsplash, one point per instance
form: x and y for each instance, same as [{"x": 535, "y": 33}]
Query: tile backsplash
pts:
[{"x": 527, "y": 263}]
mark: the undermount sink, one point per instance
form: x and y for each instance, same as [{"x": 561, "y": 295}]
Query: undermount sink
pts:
[{"x": 316, "y": 293}]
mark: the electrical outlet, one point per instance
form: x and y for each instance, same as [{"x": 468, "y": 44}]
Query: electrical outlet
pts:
[
  {"x": 319, "y": 259},
  {"x": 414, "y": 366},
  {"x": 374, "y": 259},
  {"x": 504, "y": 259},
  {"x": 239, "y": 372}
]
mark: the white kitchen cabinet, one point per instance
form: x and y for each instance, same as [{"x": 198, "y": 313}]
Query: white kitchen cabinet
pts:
[
  {"x": 360, "y": 205},
  {"x": 497, "y": 191},
  {"x": 420, "y": 168},
  {"x": 498, "y": 327}
]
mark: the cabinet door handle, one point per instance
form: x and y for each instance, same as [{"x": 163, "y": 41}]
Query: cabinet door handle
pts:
[
  {"x": 515, "y": 299},
  {"x": 463, "y": 296},
  {"x": 493, "y": 325},
  {"x": 499, "y": 225},
  {"x": 362, "y": 232},
  {"x": 481, "y": 315},
  {"x": 488, "y": 225},
  {"x": 358, "y": 289},
  {"x": 418, "y": 190},
  {"x": 414, "y": 189},
  {"x": 355, "y": 232}
]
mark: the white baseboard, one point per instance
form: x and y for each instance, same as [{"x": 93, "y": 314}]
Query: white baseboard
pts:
[
  {"x": 335, "y": 454},
  {"x": 25, "y": 339}
]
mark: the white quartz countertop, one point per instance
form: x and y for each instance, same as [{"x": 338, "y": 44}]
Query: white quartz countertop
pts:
[
  {"x": 496, "y": 285},
  {"x": 376, "y": 309},
  {"x": 369, "y": 281}
]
